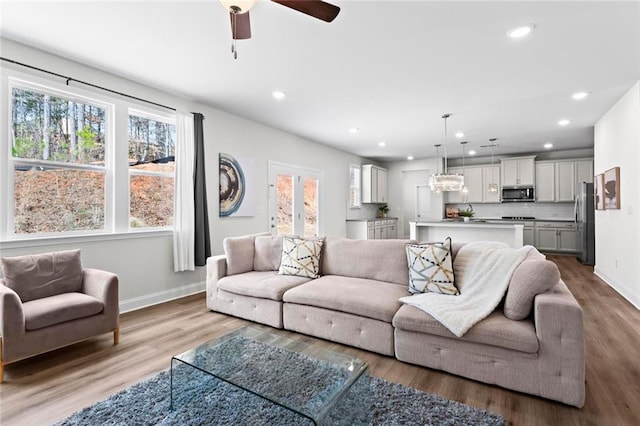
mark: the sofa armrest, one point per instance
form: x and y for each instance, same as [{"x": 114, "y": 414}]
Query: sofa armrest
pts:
[
  {"x": 11, "y": 314},
  {"x": 102, "y": 285},
  {"x": 560, "y": 330},
  {"x": 216, "y": 269}
]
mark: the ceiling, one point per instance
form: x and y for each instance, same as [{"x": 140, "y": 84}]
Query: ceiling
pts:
[{"x": 389, "y": 68}]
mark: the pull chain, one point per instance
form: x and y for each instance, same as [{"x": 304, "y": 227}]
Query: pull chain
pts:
[{"x": 234, "y": 13}]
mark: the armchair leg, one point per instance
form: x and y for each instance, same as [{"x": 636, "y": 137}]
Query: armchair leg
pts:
[{"x": 116, "y": 335}]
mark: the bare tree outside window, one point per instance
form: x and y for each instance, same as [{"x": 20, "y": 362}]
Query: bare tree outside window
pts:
[{"x": 58, "y": 162}]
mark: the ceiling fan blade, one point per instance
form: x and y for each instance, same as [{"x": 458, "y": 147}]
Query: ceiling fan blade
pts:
[
  {"x": 240, "y": 25},
  {"x": 316, "y": 8}
]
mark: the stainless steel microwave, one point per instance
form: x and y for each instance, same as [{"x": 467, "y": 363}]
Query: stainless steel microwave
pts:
[{"x": 512, "y": 194}]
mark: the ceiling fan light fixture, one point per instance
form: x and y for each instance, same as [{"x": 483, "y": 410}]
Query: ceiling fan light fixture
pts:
[{"x": 238, "y": 6}]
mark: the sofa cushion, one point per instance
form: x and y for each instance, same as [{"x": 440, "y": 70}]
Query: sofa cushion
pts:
[
  {"x": 357, "y": 296},
  {"x": 380, "y": 260},
  {"x": 43, "y": 275},
  {"x": 260, "y": 284},
  {"x": 431, "y": 268},
  {"x": 301, "y": 257},
  {"x": 239, "y": 252},
  {"x": 268, "y": 251},
  {"x": 531, "y": 277},
  {"x": 52, "y": 310},
  {"x": 495, "y": 330}
]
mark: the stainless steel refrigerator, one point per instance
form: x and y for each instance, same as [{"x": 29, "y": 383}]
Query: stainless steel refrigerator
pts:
[{"x": 584, "y": 217}]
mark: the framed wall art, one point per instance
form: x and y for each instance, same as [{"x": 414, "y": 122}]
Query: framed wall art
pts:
[
  {"x": 598, "y": 191},
  {"x": 612, "y": 188},
  {"x": 237, "y": 189}
]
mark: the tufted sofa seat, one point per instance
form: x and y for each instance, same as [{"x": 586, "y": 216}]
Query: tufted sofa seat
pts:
[{"x": 355, "y": 302}]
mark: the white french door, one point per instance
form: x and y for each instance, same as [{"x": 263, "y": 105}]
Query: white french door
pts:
[{"x": 295, "y": 200}]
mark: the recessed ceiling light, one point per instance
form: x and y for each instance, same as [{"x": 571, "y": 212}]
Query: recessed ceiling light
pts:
[
  {"x": 578, "y": 96},
  {"x": 521, "y": 31},
  {"x": 410, "y": 157},
  {"x": 354, "y": 130},
  {"x": 548, "y": 145},
  {"x": 564, "y": 122},
  {"x": 382, "y": 144},
  {"x": 459, "y": 134},
  {"x": 278, "y": 94},
  {"x": 472, "y": 152}
]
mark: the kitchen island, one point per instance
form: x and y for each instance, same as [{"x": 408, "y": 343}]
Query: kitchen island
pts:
[{"x": 465, "y": 232}]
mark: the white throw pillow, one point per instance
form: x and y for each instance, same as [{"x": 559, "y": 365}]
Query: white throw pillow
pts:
[
  {"x": 301, "y": 257},
  {"x": 431, "y": 268}
]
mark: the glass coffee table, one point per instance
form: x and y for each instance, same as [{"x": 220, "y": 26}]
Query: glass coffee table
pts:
[{"x": 322, "y": 386}]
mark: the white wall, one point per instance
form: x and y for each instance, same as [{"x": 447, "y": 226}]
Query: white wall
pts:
[
  {"x": 399, "y": 206},
  {"x": 617, "y": 139},
  {"x": 145, "y": 264}
]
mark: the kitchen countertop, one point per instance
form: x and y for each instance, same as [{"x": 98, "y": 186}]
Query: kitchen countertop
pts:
[{"x": 369, "y": 220}]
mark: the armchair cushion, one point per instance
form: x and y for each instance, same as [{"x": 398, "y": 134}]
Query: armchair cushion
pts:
[
  {"x": 48, "y": 311},
  {"x": 43, "y": 275}
]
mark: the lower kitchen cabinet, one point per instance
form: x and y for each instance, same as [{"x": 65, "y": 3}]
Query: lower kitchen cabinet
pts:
[
  {"x": 556, "y": 236},
  {"x": 529, "y": 234},
  {"x": 374, "y": 229}
]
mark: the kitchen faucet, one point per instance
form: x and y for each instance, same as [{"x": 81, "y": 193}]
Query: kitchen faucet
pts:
[{"x": 469, "y": 208}]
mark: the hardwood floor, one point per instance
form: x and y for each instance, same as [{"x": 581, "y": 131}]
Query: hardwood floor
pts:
[{"x": 49, "y": 387}]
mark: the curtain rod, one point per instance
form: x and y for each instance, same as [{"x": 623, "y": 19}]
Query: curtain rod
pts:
[{"x": 68, "y": 79}]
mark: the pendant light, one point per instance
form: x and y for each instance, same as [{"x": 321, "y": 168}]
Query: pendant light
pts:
[
  {"x": 438, "y": 190},
  {"x": 464, "y": 190},
  {"x": 446, "y": 182},
  {"x": 493, "y": 186}
]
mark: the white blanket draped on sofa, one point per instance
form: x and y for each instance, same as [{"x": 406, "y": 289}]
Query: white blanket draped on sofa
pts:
[{"x": 482, "y": 272}]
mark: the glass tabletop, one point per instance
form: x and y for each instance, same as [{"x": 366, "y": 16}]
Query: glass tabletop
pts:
[{"x": 291, "y": 373}]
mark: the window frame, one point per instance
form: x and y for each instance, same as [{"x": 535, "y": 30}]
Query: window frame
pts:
[
  {"x": 156, "y": 116},
  {"x": 117, "y": 189}
]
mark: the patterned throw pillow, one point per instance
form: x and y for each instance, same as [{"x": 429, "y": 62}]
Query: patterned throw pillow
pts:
[
  {"x": 301, "y": 257},
  {"x": 431, "y": 268}
]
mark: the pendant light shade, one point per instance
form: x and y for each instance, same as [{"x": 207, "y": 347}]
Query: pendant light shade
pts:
[
  {"x": 464, "y": 190},
  {"x": 446, "y": 182}
]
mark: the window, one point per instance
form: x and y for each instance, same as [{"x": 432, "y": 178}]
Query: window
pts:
[
  {"x": 354, "y": 186},
  {"x": 151, "y": 171},
  {"x": 67, "y": 173},
  {"x": 58, "y": 163}
]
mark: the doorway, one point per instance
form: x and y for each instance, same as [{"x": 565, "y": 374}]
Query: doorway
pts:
[{"x": 295, "y": 200}]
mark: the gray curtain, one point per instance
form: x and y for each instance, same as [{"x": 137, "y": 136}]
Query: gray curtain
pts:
[{"x": 202, "y": 240}]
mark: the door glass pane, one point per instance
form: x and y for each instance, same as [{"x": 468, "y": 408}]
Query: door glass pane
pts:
[
  {"x": 284, "y": 204},
  {"x": 310, "y": 207}
]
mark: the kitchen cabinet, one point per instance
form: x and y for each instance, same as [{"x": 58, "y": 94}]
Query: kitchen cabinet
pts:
[
  {"x": 374, "y": 184},
  {"x": 529, "y": 234},
  {"x": 545, "y": 182},
  {"x": 559, "y": 181},
  {"x": 477, "y": 180},
  {"x": 518, "y": 171},
  {"x": 373, "y": 229},
  {"x": 556, "y": 236}
]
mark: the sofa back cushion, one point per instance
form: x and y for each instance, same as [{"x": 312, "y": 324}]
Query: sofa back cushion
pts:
[
  {"x": 43, "y": 275},
  {"x": 240, "y": 252},
  {"x": 382, "y": 260},
  {"x": 268, "y": 250},
  {"x": 533, "y": 276}
]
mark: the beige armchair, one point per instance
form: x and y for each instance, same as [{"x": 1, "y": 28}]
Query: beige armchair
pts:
[{"x": 48, "y": 301}]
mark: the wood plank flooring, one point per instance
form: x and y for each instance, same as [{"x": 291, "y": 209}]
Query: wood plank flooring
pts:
[{"x": 49, "y": 387}]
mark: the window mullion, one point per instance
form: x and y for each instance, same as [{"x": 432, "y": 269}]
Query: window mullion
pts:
[{"x": 120, "y": 169}]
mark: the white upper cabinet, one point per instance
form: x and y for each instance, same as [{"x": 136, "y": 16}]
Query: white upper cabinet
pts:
[
  {"x": 374, "y": 184},
  {"x": 565, "y": 181},
  {"x": 545, "y": 182},
  {"x": 518, "y": 171},
  {"x": 559, "y": 181},
  {"x": 477, "y": 180}
]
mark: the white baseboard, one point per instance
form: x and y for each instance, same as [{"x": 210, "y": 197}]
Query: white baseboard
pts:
[
  {"x": 161, "y": 297},
  {"x": 631, "y": 298}
]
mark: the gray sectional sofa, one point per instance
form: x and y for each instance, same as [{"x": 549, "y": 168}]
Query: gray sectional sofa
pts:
[{"x": 355, "y": 302}]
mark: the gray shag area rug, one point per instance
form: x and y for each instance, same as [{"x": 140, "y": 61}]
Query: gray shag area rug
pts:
[{"x": 201, "y": 399}]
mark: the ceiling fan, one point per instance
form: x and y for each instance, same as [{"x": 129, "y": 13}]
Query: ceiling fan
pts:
[{"x": 241, "y": 25}]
